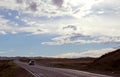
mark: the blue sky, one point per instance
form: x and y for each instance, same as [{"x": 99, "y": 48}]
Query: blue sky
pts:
[{"x": 59, "y": 28}]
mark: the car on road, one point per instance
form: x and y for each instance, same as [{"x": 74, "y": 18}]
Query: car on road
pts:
[{"x": 31, "y": 62}]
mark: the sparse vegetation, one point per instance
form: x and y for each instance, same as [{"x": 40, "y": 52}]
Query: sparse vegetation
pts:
[
  {"x": 9, "y": 69},
  {"x": 108, "y": 62},
  {"x": 78, "y": 63}
]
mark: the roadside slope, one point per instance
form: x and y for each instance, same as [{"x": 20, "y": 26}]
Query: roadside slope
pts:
[
  {"x": 109, "y": 61},
  {"x": 9, "y": 69}
]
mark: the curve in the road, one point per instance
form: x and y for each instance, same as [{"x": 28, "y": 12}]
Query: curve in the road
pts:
[{"x": 41, "y": 71}]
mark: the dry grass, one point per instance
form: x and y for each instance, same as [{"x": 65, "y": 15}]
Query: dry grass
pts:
[
  {"x": 9, "y": 69},
  {"x": 107, "y": 64},
  {"x": 78, "y": 63}
]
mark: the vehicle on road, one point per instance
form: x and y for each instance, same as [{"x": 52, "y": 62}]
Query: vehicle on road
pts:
[{"x": 31, "y": 62}]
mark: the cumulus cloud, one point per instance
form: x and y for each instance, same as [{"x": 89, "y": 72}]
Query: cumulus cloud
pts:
[
  {"x": 58, "y": 2},
  {"x": 48, "y": 8},
  {"x": 3, "y": 26},
  {"x": 68, "y": 39},
  {"x": 7, "y": 27},
  {"x": 76, "y": 35},
  {"x": 19, "y": 1},
  {"x": 33, "y": 6},
  {"x": 73, "y": 8},
  {"x": 33, "y": 30},
  {"x": 70, "y": 26},
  {"x": 72, "y": 21},
  {"x": 3, "y": 32},
  {"x": 89, "y": 53}
]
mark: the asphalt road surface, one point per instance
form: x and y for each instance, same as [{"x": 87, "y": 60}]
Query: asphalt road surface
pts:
[{"x": 42, "y": 71}]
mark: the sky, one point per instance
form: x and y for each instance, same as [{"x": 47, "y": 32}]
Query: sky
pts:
[{"x": 59, "y": 28}]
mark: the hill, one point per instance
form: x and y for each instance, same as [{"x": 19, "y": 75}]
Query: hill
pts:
[{"x": 108, "y": 62}]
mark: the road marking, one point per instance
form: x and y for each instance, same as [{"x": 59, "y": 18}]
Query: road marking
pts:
[
  {"x": 34, "y": 74},
  {"x": 27, "y": 69},
  {"x": 39, "y": 75},
  {"x": 31, "y": 73}
]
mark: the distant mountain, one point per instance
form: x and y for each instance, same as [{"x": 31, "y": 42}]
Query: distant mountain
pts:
[{"x": 109, "y": 61}]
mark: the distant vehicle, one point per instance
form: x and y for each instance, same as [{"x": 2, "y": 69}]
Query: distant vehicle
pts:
[{"x": 31, "y": 62}]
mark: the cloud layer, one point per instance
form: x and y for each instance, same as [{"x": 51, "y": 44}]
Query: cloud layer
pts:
[
  {"x": 72, "y": 20},
  {"x": 89, "y": 53}
]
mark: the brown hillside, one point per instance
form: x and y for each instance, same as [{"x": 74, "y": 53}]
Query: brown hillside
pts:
[{"x": 109, "y": 61}]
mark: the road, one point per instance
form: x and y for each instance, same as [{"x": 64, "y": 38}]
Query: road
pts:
[{"x": 42, "y": 71}]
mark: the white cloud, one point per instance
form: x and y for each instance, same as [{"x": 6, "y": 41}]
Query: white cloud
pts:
[
  {"x": 17, "y": 17},
  {"x": 89, "y": 53},
  {"x": 3, "y": 25},
  {"x": 67, "y": 39},
  {"x": 48, "y": 8},
  {"x": 58, "y": 3},
  {"x": 3, "y": 32},
  {"x": 8, "y": 27},
  {"x": 97, "y": 18},
  {"x": 33, "y": 30}
]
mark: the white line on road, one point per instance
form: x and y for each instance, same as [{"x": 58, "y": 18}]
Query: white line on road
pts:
[
  {"x": 31, "y": 73},
  {"x": 39, "y": 75},
  {"x": 35, "y": 74}
]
